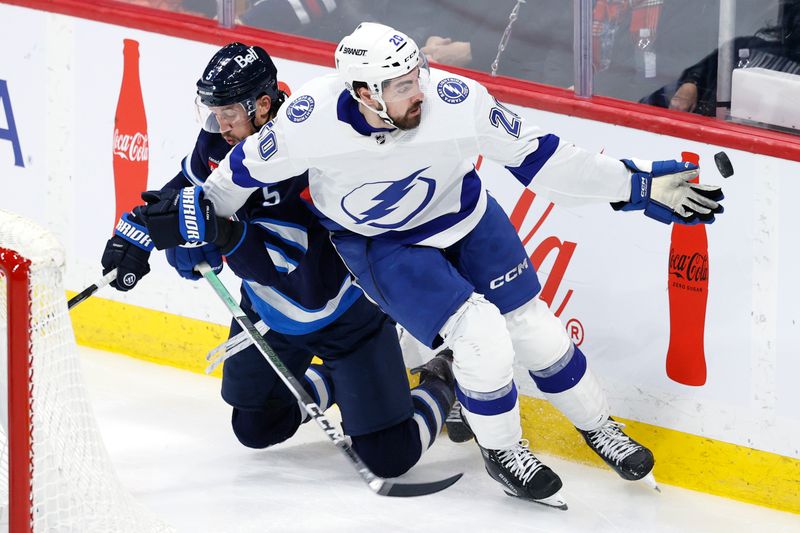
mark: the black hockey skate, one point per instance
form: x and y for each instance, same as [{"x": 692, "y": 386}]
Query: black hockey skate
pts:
[
  {"x": 523, "y": 475},
  {"x": 625, "y": 456},
  {"x": 441, "y": 367},
  {"x": 457, "y": 428}
]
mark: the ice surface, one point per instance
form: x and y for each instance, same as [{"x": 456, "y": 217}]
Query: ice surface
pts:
[{"x": 169, "y": 436}]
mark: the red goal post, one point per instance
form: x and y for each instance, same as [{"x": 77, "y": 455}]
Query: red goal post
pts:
[{"x": 55, "y": 473}]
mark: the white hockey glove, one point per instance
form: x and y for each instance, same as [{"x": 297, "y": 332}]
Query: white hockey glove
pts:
[{"x": 664, "y": 190}]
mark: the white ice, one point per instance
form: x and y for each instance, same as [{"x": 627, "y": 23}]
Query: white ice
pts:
[{"x": 168, "y": 434}]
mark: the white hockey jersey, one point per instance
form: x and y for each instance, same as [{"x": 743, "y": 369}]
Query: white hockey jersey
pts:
[{"x": 417, "y": 186}]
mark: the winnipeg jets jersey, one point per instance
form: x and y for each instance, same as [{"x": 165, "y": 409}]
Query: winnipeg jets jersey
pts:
[
  {"x": 295, "y": 279},
  {"x": 415, "y": 186}
]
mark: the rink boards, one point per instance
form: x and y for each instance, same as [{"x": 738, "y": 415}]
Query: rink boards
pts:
[{"x": 604, "y": 273}]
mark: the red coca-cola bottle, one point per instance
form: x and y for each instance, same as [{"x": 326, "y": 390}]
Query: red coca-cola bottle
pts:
[
  {"x": 688, "y": 295},
  {"x": 131, "y": 147}
]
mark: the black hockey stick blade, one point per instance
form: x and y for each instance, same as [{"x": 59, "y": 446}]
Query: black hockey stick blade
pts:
[
  {"x": 407, "y": 490},
  {"x": 91, "y": 289}
]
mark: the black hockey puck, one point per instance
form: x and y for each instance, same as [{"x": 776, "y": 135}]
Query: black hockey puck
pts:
[{"x": 723, "y": 164}]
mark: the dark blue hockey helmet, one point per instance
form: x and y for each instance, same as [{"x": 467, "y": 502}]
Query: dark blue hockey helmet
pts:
[{"x": 239, "y": 74}]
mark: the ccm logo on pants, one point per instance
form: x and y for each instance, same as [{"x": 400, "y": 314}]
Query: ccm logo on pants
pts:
[{"x": 509, "y": 276}]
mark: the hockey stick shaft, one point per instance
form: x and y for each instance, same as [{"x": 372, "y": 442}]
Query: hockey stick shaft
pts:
[
  {"x": 377, "y": 484},
  {"x": 91, "y": 289}
]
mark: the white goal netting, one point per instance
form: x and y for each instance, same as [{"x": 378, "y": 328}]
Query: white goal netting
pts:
[{"x": 72, "y": 483}]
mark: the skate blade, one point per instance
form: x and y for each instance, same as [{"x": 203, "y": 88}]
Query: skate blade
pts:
[
  {"x": 555, "y": 501},
  {"x": 650, "y": 481}
]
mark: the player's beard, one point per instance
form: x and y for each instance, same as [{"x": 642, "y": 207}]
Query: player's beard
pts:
[{"x": 407, "y": 122}]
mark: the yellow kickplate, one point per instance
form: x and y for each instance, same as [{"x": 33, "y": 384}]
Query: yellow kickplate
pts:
[{"x": 682, "y": 459}]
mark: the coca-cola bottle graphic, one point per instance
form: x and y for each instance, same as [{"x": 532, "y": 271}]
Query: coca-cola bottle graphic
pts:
[
  {"x": 688, "y": 295},
  {"x": 131, "y": 150}
]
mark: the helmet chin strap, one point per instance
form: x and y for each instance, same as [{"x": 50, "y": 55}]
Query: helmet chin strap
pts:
[{"x": 382, "y": 114}]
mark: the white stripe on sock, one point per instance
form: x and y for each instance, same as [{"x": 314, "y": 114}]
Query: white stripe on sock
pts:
[
  {"x": 425, "y": 440},
  {"x": 318, "y": 382},
  {"x": 436, "y": 409}
]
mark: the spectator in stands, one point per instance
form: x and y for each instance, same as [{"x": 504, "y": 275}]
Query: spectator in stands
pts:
[
  {"x": 775, "y": 47},
  {"x": 467, "y": 33}
]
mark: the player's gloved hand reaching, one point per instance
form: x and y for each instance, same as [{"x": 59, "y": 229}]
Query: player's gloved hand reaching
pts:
[
  {"x": 184, "y": 216},
  {"x": 128, "y": 251},
  {"x": 176, "y": 217},
  {"x": 184, "y": 259},
  {"x": 663, "y": 189}
]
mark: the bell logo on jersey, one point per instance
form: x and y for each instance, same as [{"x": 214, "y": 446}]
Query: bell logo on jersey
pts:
[
  {"x": 452, "y": 90},
  {"x": 394, "y": 203},
  {"x": 300, "y": 109}
]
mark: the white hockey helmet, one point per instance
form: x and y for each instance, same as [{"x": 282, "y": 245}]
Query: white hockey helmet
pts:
[{"x": 375, "y": 54}]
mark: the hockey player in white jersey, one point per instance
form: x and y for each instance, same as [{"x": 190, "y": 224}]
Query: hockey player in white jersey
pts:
[{"x": 388, "y": 144}]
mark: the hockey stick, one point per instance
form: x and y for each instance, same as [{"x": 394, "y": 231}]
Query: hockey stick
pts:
[
  {"x": 91, "y": 289},
  {"x": 378, "y": 485}
]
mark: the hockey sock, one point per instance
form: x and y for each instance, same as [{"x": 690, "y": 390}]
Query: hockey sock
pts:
[
  {"x": 572, "y": 388},
  {"x": 432, "y": 401},
  {"x": 318, "y": 383}
]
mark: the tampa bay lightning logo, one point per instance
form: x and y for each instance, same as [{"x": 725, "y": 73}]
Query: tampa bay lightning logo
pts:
[
  {"x": 300, "y": 109},
  {"x": 394, "y": 203},
  {"x": 452, "y": 90}
]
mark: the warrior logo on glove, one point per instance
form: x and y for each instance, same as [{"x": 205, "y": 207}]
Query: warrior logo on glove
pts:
[{"x": 190, "y": 228}]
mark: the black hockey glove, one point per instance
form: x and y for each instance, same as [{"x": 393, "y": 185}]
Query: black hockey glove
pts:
[
  {"x": 128, "y": 251},
  {"x": 174, "y": 218}
]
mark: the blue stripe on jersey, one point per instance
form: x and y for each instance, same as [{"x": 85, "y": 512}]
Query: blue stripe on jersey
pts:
[
  {"x": 488, "y": 403},
  {"x": 282, "y": 323},
  {"x": 241, "y": 174},
  {"x": 534, "y": 161}
]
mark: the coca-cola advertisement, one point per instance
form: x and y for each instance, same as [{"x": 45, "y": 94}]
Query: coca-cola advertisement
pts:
[
  {"x": 688, "y": 297},
  {"x": 131, "y": 146}
]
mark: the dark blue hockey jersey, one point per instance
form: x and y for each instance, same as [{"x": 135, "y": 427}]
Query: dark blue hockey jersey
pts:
[{"x": 291, "y": 272}]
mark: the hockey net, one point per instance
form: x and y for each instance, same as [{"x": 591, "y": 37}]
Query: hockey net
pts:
[{"x": 55, "y": 474}]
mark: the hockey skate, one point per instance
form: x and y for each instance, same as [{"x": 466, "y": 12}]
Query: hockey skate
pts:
[
  {"x": 457, "y": 428},
  {"x": 441, "y": 367},
  {"x": 625, "y": 456},
  {"x": 523, "y": 475}
]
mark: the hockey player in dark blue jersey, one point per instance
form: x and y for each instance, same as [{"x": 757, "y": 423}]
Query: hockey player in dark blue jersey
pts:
[{"x": 298, "y": 291}]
